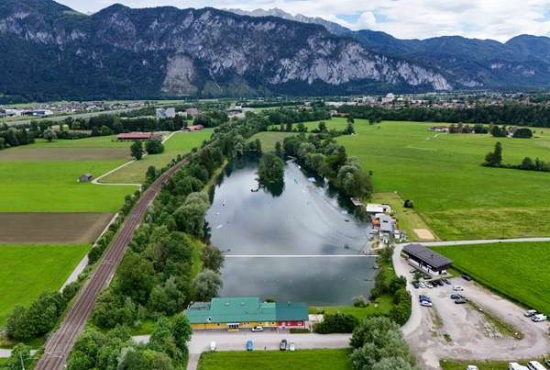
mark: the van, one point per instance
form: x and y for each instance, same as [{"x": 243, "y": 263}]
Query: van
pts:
[
  {"x": 516, "y": 366},
  {"x": 535, "y": 365}
]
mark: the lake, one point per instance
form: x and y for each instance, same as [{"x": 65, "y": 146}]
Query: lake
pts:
[{"x": 298, "y": 242}]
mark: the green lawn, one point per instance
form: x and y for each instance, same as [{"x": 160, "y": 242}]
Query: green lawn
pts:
[
  {"x": 179, "y": 143},
  {"x": 442, "y": 174},
  {"x": 53, "y": 187},
  {"x": 517, "y": 270},
  {"x": 384, "y": 307},
  {"x": 27, "y": 271},
  {"x": 92, "y": 142},
  {"x": 324, "y": 359}
]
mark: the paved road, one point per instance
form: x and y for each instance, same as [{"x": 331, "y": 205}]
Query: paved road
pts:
[
  {"x": 486, "y": 241},
  {"x": 200, "y": 342},
  {"x": 59, "y": 345},
  {"x": 63, "y": 117}
]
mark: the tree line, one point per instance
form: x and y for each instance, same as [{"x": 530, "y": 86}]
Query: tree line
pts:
[
  {"x": 494, "y": 159},
  {"x": 508, "y": 114}
]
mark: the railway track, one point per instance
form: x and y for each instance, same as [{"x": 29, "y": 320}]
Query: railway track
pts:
[{"x": 60, "y": 344}]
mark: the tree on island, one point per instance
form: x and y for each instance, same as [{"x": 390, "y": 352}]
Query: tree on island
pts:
[
  {"x": 271, "y": 169},
  {"x": 137, "y": 150}
]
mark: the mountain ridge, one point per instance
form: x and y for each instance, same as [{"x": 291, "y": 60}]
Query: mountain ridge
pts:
[{"x": 54, "y": 52}]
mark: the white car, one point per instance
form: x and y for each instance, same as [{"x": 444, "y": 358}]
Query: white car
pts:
[
  {"x": 292, "y": 347},
  {"x": 422, "y": 284},
  {"x": 472, "y": 367},
  {"x": 212, "y": 346},
  {"x": 257, "y": 329},
  {"x": 458, "y": 288},
  {"x": 539, "y": 318},
  {"x": 426, "y": 303},
  {"x": 530, "y": 313},
  {"x": 429, "y": 285}
]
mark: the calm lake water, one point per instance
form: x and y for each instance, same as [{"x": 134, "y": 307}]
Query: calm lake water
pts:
[{"x": 302, "y": 220}]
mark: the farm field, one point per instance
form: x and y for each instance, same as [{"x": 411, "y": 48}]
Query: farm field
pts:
[
  {"x": 53, "y": 187},
  {"x": 54, "y": 228},
  {"x": 27, "y": 271},
  {"x": 442, "y": 174},
  {"x": 275, "y": 360},
  {"x": 91, "y": 142},
  {"x": 179, "y": 143},
  {"x": 516, "y": 270}
]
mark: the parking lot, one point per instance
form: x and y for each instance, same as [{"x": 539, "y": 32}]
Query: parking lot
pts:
[{"x": 461, "y": 332}]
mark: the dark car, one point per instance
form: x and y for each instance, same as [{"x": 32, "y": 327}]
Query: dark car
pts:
[
  {"x": 416, "y": 284},
  {"x": 284, "y": 344},
  {"x": 447, "y": 281},
  {"x": 461, "y": 300},
  {"x": 423, "y": 297},
  {"x": 456, "y": 296},
  {"x": 547, "y": 362},
  {"x": 467, "y": 277},
  {"x": 440, "y": 283}
]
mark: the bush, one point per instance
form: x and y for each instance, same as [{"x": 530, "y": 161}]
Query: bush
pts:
[
  {"x": 337, "y": 323},
  {"x": 154, "y": 147},
  {"x": 359, "y": 301},
  {"x": 408, "y": 204}
]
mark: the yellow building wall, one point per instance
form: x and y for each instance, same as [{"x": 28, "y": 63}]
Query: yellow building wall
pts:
[{"x": 242, "y": 325}]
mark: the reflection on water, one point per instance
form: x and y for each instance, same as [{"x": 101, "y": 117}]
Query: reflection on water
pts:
[
  {"x": 317, "y": 281},
  {"x": 304, "y": 217}
]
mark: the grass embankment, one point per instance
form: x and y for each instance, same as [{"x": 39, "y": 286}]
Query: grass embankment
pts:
[
  {"x": 518, "y": 271},
  {"x": 382, "y": 306},
  {"x": 409, "y": 220},
  {"x": 324, "y": 359},
  {"x": 442, "y": 174},
  {"x": 180, "y": 143},
  {"x": 26, "y": 271}
]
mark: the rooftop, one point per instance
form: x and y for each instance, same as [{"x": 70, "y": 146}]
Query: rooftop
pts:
[
  {"x": 235, "y": 310},
  {"x": 427, "y": 256}
]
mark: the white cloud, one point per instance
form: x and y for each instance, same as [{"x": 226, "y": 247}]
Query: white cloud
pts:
[{"x": 495, "y": 19}]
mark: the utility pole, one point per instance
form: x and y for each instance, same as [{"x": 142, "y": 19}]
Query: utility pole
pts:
[{"x": 22, "y": 364}]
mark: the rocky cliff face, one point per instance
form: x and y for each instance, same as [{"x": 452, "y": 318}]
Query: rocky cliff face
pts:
[{"x": 123, "y": 52}]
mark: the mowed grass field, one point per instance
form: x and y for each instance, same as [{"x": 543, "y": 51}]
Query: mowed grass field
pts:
[
  {"x": 442, "y": 174},
  {"x": 28, "y": 270},
  {"x": 517, "y": 270},
  {"x": 179, "y": 143},
  {"x": 323, "y": 359}
]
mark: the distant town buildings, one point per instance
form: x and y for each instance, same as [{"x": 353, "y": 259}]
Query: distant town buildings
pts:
[{"x": 164, "y": 113}]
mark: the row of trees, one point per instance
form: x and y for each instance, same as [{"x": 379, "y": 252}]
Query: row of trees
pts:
[
  {"x": 12, "y": 137},
  {"x": 494, "y": 159},
  {"x": 510, "y": 114},
  {"x": 322, "y": 155}
]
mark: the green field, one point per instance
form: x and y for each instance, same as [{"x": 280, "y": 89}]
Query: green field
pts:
[
  {"x": 28, "y": 270},
  {"x": 517, "y": 270},
  {"x": 325, "y": 359},
  {"x": 442, "y": 174},
  {"x": 92, "y": 142},
  {"x": 53, "y": 187},
  {"x": 179, "y": 143}
]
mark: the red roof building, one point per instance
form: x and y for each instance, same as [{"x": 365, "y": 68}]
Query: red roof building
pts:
[
  {"x": 194, "y": 128},
  {"x": 138, "y": 136}
]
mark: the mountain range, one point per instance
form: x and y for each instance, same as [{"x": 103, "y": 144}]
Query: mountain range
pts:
[{"x": 53, "y": 52}]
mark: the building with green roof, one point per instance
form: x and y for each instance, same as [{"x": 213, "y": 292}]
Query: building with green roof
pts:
[{"x": 236, "y": 313}]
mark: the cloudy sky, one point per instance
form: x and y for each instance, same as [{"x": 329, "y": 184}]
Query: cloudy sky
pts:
[{"x": 494, "y": 19}]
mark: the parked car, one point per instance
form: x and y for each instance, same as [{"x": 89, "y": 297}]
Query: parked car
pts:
[
  {"x": 455, "y": 296},
  {"x": 424, "y": 297},
  {"x": 461, "y": 300},
  {"x": 539, "y": 318},
  {"x": 283, "y": 345},
  {"x": 257, "y": 329},
  {"x": 422, "y": 285},
  {"x": 535, "y": 365},
  {"x": 212, "y": 346},
  {"x": 426, "y": 303},
  {"x": 472, "y": 367},
  {"x": 448, "y": 282},
  {"x": 292, "y": 347},
  {"x": 516, "y": 366},
  {"x": 530, "y": 313},
  {"x": 438, "y": 282},
  {"x": 249, "y": 345},
  {"x": 547, "y": 362},
  {"x": 429, "y": 285},
  {"x": 416, "y": 284},
  {"x": 467, "y": 277},
  {"x": 458, "y": 288}
]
